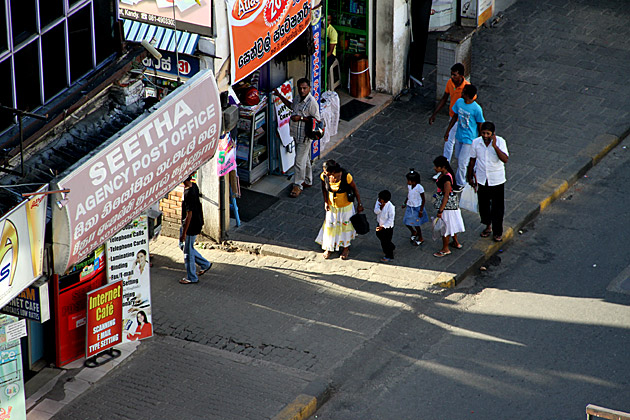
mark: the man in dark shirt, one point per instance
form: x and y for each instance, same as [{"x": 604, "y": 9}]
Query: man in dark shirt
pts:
[{"x": 192, "y": 222}]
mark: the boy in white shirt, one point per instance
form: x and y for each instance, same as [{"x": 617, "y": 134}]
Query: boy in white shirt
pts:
[{"x": 385, "y": 213}]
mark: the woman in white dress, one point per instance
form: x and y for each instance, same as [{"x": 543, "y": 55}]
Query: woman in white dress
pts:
[
  {"x": 337, "y": 232},
  {"x": 451, "y": 217}
]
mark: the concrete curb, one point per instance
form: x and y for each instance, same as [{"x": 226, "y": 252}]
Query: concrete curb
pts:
[
  {"x": 307, "y": 403},
  {"x": 489, "y": 250}
]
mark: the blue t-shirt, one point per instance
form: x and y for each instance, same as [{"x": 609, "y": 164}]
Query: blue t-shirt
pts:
[{"x": 468, "y": 115}]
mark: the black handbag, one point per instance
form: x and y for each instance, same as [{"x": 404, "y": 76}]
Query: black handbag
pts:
[{"x": 360, "y": 223}]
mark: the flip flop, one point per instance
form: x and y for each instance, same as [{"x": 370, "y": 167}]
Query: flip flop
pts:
[
  {"x": 345, "y": 253},
  {"x": 456, "y": 246},
  {"x": 497, "y": 238},
  {"x": 441, "y": 254},
  {"x": 202, "y": 272},
  {"x": 486, "y": 232},
  {"x": 327, "y": 255},
  {"x": 186, "y": 281}
]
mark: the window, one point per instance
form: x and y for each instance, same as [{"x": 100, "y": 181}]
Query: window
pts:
[
  {"x": 6, "y": 92},
  {"x": 80, "y": 41},
  {"x": 49, "y": 11},
  {"x": 104, "y": 28},
  {"x": 27, "y": 78},
  {"x": 67, "y": 33},
  {"x": 23, "y": 20},
  {"x": 4, "y": 34},
  {"x": 54, "y": 61}
]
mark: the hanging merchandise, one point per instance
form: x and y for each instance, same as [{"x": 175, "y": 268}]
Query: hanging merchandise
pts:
[
  {"x": 226, "y": 156},
  {"x": 261, "y": 29},
  {"x": 330, "y": 115}
]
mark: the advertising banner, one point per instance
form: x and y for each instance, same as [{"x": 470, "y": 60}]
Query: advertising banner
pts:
[
  {"x": 165, "y": 66},
  {"x": 104, "y": 318},
  {"x": 283, "y": 112},
  {"x": 71, "y": 292},
  {"x": 442, "y": 14},
  {"x": 188, "y": 15},
  {"x": 128, "y": 261},
  {"x": 260, "y": 29},
  {"x": 226, "y": 159},
  {"x": 32, "y": 303},
  {"x": 316, "y": 57},
  {"x": 22, "y": 246},
  {"x": 12, "y": 397},
  {"x": 476, "y": 11},
  {"x": 283, "y": 119},
  {"x": 145, "y": 161}
]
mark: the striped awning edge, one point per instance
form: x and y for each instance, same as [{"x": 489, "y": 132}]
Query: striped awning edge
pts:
[{"x": 161, "y": 38}]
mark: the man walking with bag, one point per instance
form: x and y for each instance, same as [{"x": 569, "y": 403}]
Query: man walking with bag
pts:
[
  {"x": 486, "y": 170},
  {"x": 192, "y": 222},
  {"x": 302, "y": 109}
]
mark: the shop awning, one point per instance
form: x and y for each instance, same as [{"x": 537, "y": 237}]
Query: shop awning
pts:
[{"x": 165, "y": 39}]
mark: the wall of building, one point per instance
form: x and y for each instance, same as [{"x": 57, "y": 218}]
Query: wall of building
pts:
[
  {"x": 392, "y": 44},
  {"x": 208, "y": 183}
]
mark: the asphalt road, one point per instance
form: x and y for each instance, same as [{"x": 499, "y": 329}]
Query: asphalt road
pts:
[{"x": 537, "y": 335}]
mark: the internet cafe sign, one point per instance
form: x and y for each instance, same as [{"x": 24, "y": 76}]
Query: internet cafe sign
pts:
[
  {"x": 135, "y": 169},
  {"x": 22, "y": 246},
  {"x": 260, "y": 29}
]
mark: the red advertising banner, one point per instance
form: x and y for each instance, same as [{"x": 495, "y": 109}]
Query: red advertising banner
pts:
[
  {"x": 70, "y": 316},
  {"x": 104, "y": 318},
  {"x": 135, "y": 169},
  {"x": 260, "y": 29}
]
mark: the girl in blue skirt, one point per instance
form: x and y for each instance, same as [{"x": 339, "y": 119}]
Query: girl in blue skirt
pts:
[{"x": 415, "y": 213}]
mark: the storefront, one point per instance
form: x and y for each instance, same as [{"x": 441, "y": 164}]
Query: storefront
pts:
[
  {"x": 128, "y": 173},
  {"x": 353, "y": 22},
  {"x": 269, "y": 45}
]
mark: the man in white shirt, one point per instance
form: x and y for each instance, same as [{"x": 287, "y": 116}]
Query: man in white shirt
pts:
[
  {"x": 385, "y": 214},
  {"x": 486, "y": 170}
]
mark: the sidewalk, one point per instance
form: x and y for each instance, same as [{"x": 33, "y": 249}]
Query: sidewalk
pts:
[
  {"x": 546, "y": 78},
  {"x": 262, "y": 334}
]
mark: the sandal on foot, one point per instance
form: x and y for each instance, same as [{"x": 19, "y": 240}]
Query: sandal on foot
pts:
[
  {"x": 418, "y": 242},
  {"x": 327, "y": 255},
  {"x": 295, "y": 192},
  {"x": 497, "y": 238},
  {"x": 186, "y": 281},
  {"x": 202, "y": 272},
  {"x": 486, "y": 232},
  {"x": 345, "y": 253},
  {"x": 456, "y": 246},
  {"x": 441, "y": 254}
]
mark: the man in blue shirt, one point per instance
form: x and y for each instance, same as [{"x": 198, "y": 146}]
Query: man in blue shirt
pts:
[{"x": 468, "y": 117}]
